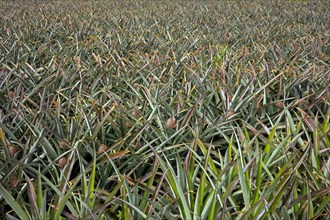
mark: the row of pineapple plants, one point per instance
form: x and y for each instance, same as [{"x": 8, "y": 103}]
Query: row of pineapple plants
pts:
[{"x": 172, "y": 110}]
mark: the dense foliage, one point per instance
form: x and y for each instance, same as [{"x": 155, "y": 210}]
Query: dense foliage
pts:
[{"x": 137, "y": 109}]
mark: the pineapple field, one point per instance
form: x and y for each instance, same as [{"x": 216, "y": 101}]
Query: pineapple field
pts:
[{"x": 140, "y": 109}]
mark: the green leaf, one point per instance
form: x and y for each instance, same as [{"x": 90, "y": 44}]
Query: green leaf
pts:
[{"x": 13, "y": 203}]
